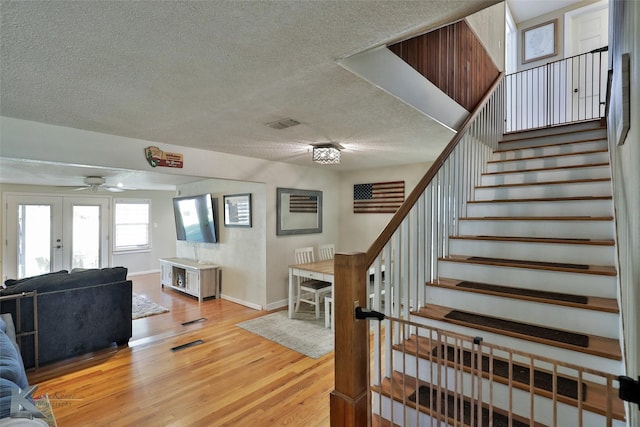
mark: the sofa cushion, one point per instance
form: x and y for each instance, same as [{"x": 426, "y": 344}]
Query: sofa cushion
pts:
[
  {"x": 60, "y": 282},
  {"x": 13, "y": 282},
  {"x": 11, "y": 367}
]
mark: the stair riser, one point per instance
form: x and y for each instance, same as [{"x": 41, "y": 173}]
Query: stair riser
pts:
[
  {"x": 543, "y": 350},
  {"x": 577, "y": 128},
  {"x": 600, "y": 188},
  {"x": 567, "y": 415},
  {"x": 546, "y": 176},
  {"x": 598, "y": 230},
  {"x": 551, "y": 150},
  {"x": 535, "y": 313},
  {"x": 531, "y": 251},
  {"x": 549, "y": 162},
  {"x": 402, "y": 415},
  {"x": 543, "y": 280},
  {"x": 551, "y": 139},
  {"x": 554, "y": 208}
]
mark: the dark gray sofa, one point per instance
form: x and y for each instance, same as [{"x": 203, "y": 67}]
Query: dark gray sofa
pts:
[{"x": 78, "y": 313}]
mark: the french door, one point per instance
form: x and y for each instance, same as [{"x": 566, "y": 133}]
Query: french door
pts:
[{"x": 50, "y": 233}]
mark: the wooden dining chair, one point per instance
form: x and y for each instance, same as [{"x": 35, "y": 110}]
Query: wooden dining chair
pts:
[
  {"x": 310, "y": 291},
  {"x": 326, "y": 251}
]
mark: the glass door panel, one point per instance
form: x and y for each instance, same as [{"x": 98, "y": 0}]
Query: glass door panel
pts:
[{"x": 85, "y": 245}]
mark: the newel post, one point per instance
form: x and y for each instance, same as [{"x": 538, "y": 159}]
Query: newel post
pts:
[{"x": 350, "y": 400}]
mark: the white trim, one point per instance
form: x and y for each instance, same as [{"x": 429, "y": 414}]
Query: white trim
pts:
[
  {"x": 141, "y": 273},
  {"x": 241, "y": 302},
  {"x": 278, "y": 304}
]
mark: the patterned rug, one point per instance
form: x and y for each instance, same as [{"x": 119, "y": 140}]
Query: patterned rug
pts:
[
  {"x": 143, "y": 307},
  {"x": 303, "y": 333}
]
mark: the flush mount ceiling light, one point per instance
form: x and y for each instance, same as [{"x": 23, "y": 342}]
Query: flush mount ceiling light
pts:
[{"x": 327, "y": 154}]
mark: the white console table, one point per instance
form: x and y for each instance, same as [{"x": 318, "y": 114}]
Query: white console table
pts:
[{"x": 191, "y": 277}]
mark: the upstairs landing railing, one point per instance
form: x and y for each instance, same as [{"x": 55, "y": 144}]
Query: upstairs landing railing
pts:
[
  {"x": 406, "y": 254},
  {"x": 569, "y": 90}
]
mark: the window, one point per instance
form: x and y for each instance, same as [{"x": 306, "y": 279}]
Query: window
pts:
[{"x": 132, "y": 225}]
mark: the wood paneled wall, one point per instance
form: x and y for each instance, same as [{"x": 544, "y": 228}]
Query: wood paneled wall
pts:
[{"x": 453, "y": 59}]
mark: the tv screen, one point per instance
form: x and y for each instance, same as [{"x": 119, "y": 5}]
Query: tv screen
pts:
[{"x": 196, "y": 218}]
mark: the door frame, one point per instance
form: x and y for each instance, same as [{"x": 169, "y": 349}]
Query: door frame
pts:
[{"x": 66, "y": 201}]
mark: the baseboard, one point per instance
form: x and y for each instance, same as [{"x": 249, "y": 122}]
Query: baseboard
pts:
[
  {"x": 142, "y": 273},
  {"x": 278, "y": 304},
  {"x": 241, "y": 302}
]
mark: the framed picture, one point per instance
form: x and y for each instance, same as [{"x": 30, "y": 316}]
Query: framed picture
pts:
[
  {"x": 237, "y": 210},
  {"x": 539, "y": 42}
]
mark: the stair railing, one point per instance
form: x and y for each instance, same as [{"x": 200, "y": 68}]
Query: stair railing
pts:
[
  {"x": 565, "y": 91},
  {"x": 445, "y": 378},
  {"x": 394, "y": 270}
]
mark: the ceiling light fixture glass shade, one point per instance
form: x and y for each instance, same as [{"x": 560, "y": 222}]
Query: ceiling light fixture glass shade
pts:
[{"x": 326, "y": 154}]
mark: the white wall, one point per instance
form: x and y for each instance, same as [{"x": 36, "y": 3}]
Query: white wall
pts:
[
  {"x": 626, "y": 183},
  {"x": 359, "y": 231},
  {"x": 489, "y": 26},
  {"x": 242, "y": 252},
  {"x": 559, "y": 15}
]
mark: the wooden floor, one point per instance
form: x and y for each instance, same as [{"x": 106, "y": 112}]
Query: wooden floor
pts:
[{"x": 235, "y": 378}]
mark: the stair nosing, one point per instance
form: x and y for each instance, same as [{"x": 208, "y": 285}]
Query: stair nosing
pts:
[
  {"x": 529, "y": 184},
  {"x": 449, "y": 284},
  {"x": 617, "y": 356},
  {"x": 555, "y": 144},
  {"x": 542, "y": 240},
  {"x": 536, "y": 218},
  {"x": 603, "y": 270},
  {"x": 553, "y": 168},
  {"x": 579, "y": 153},
  {"x": 545, "y": 199},
  {"x": 596, "y": 128}
]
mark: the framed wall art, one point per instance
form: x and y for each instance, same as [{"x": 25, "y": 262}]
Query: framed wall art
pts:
[
  {"x": 540, "y": 41},
  {"x": 237, "y": 210}
]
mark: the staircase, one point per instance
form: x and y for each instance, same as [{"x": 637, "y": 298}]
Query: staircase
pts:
[{"x": 532, "y": 268}]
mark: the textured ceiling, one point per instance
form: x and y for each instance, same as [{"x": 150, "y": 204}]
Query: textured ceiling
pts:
[{"x": 211, "y": 74}]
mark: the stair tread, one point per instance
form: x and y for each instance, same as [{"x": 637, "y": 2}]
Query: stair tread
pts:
[
  {"x": 544, "y": 199},
  {"x": 604, "y": 270},
  {"x": 401, "y": 387},
  {"x": 537, "y": 218},
  {"x": 551, "y": 168},
  {"x": 553, "y": 240},
  {"x": 566, "y": 132},
  {"x": 593, "y": 395},
  {"x": 529, "y": 184},
  {"x": 548, "y": 156},
  {"x": 608, "y": 305},
  {"x": 596, "y": 345},
  {"x": 556, "y": 144}
]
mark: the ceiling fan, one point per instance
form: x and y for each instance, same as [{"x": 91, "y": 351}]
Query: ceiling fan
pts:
[{"x": 96, "y": 183}]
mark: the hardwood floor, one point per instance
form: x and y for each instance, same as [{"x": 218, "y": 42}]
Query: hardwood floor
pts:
[{"x": 235, "y": 378}]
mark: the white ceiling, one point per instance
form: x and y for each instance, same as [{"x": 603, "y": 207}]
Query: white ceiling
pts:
[
  {"x": 523, "y": 10},
  {"x": 212, "y": 74}
]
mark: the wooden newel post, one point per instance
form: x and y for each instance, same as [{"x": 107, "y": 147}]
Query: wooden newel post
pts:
[{"x": 350, "y": 400}]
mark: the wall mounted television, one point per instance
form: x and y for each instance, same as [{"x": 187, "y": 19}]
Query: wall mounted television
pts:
[{"x": 196, "y": 218}]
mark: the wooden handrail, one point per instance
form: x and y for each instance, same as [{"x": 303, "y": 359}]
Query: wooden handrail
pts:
[{"x": 377, "y": 246}]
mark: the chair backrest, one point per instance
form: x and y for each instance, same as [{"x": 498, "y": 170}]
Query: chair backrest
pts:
[
  {"x": 326, "y": 251},
  {"x": 304, "y": 255}
]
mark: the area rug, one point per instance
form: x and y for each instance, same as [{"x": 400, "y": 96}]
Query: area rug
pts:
[
  {"x": 142, "y": 306},
  {"x": 303, "y": 334}
]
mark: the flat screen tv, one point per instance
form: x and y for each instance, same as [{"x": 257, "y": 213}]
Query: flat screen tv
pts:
[{"x": 196, "y": 218}]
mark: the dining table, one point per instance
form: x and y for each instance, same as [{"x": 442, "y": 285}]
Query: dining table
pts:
[{"x": 318, "y": 270}]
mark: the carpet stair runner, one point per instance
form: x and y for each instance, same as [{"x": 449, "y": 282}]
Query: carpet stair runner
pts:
[{"x": 532, "y": 269}]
